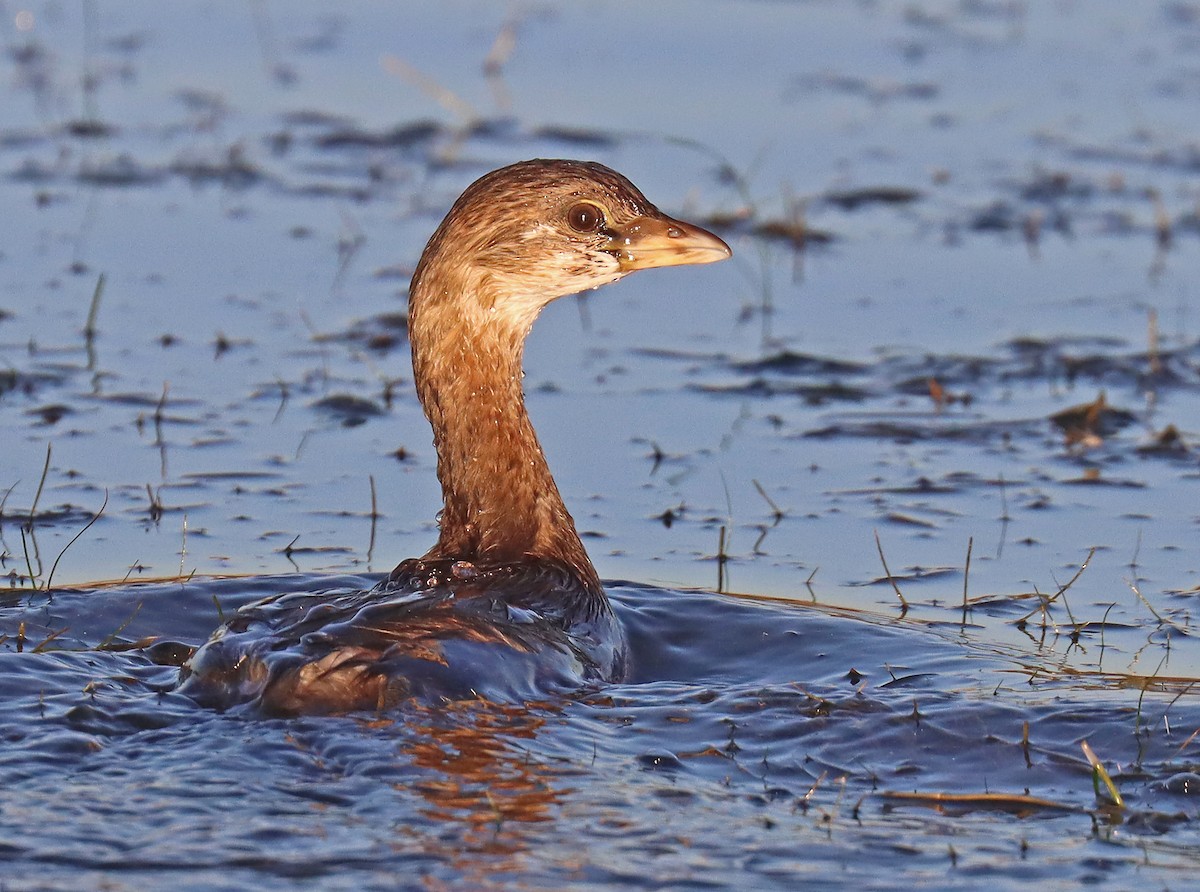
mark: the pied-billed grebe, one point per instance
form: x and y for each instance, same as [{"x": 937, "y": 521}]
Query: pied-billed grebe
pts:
[{"x": 506, "y": 605}]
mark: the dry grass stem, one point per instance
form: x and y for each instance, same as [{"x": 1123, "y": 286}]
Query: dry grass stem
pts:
[
  {"x": 1158, "y": 616},
  {"x": 443, "y": 96},
  {"x": 1047, "y": 601},
  {"x": 89, "y": 327},
  {"x": 776, "y": 512},
  {"x": 890, "y": 577},
  {"x": 41, "y": 483},
  {"x": 967, "y": 576},
  {"x": 722, "y": 560},
  {"x": 87, "y": 526}
]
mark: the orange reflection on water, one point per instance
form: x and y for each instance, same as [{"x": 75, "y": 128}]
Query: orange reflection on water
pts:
[{"x": 481, "y": 784}]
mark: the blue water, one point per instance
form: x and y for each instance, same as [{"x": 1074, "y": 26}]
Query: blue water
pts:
[
  {"x": 756, "y": 745},
  {"x": 255, "y": 210}
]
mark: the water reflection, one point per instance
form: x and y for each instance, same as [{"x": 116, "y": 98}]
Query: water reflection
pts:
[
  {"x": 1025, "y": 269},
  {"x": 481, "y": 778}
]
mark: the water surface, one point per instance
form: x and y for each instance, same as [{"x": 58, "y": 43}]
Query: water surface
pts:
[{"x": 999, "y": 199}]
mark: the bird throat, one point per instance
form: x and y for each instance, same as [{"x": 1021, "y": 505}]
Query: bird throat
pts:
[{"x": 501, "y": 502}]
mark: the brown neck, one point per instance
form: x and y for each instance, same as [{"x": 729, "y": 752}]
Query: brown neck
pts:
[{"x": 501, "y": 503}]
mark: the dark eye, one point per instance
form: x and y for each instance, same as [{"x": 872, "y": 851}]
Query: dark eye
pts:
[{"x": 585, "y": 217}]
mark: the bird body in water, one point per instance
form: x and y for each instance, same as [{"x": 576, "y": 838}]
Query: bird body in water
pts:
[{"x": 507, "y": 605}]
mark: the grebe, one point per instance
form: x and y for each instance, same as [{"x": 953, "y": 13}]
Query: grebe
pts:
[{"x": 507, "y": 605}]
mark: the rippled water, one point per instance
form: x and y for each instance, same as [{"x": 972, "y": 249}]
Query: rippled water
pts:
[
  {"x": 958, "y": 329},
  {"x": 758, "y": 743}
]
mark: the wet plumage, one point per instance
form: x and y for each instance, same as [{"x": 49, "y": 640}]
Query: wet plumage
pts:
[{"x": 507, "y": 604}]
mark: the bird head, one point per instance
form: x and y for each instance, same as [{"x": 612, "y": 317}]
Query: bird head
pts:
[{"x": 525, "y": 234}]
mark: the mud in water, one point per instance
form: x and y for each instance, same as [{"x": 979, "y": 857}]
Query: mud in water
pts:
[{"x": 907, "y": 490}]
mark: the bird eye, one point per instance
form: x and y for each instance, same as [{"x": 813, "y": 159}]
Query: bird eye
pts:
[{"x": 585, "y": 217}]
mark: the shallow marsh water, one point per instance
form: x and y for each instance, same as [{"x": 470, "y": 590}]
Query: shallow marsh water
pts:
[{"x": 995, "y": 197}]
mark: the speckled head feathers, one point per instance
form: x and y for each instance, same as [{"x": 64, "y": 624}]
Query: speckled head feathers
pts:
[
  {"x": 525, "y": 234},
  {"x": 516, "y": 239},
  {"x": 526, "y": 182}
]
